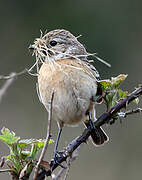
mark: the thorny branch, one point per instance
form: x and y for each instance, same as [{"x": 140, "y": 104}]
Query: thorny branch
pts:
[
  {"x": 72, "y": 158},
  {"x": 103, "y": 119}
]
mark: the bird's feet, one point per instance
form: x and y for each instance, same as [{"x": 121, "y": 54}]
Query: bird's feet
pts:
[
  {"x": 92, "y": 126},
  {"x": 56, "y": 159}
]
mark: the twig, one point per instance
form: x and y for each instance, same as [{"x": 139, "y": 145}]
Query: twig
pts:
[
  {"x": 12, "y": 75},
  {"x": 103, "y": 119},
  {"x": 72, "y": 158},
  {"x": 6, "y": 85},
  {"x": 5, "y": 170},
  {"x": 67, "y": 172},
  {"x": 133, "y": 111},
  {"x": 59, "y": 174},
  {"x": 130, "y": 112},
  {"x": 48, "y": 136},
  {"x": 9, "y": 80}
]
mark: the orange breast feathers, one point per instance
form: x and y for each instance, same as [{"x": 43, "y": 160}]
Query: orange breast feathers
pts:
[{"x": 73, "y": 83}]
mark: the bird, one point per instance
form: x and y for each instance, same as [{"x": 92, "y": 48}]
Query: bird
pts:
[{"x": 63, "y": 67}]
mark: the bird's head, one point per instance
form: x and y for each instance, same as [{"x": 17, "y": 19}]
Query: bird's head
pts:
[{"x": 58, "y": 44}]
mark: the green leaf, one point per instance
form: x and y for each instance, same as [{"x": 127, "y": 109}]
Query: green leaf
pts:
[
  {"x": 36, "y": 146},
  {"x": 113, "y": 83},
  {"x": 105, "y": 83},
  {"x": 19, "y": 155},
  {"x": 136, "y": 100},
  {"x": 122, "y": 94},
  {"x": 116, "y": 81},
  {"x": 38, "y": 142},
  {"x": 8, "y": 136},
  {"x": 25, "y": 154},
  {"x": 110, "y": 88},
  {"x": 25, "y": 142}
]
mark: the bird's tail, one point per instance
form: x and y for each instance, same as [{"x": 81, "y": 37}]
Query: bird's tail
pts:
[{"x": 98, "y": 135}]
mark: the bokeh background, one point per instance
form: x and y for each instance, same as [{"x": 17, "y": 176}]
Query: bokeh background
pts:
[{"x": 113, "y": 29}]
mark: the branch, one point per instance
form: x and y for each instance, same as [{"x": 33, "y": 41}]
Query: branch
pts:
[
  {"x": 48, "y": 136},
  {"x": 103, "y": 119},
  {"x": 6, "y": 85},
  {"x": 72, "y": 158},
  {"x": 130, "y": 112},
  {"x": 5, "y": 170},
  {"x": 12, "y": 75},
  {"x": 9, "y": 80}
]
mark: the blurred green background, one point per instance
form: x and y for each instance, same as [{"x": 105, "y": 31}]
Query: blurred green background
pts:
[{"x": 113, "y": 29}]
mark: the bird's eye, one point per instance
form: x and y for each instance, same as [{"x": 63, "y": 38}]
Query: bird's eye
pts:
[{"x": 53, "y": 43}]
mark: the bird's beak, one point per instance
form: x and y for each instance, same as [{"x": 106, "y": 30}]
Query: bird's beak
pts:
[{"x": 31, "y": 47}]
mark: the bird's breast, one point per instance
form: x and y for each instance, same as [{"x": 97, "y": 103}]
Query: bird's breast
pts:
[{"x": 73, "y": 86}]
